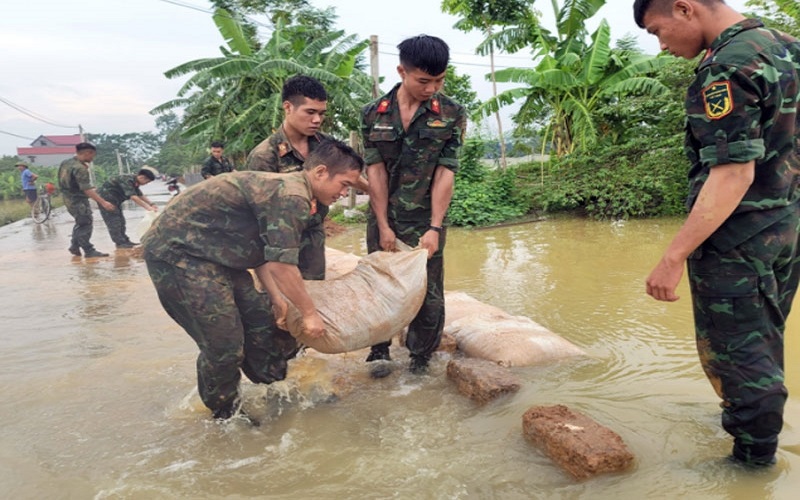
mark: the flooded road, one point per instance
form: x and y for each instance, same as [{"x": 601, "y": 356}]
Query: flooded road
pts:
[{"x": 100, "y": 402}]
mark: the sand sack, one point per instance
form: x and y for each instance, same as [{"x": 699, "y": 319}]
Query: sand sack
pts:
[{"x": 368, "y": 305}]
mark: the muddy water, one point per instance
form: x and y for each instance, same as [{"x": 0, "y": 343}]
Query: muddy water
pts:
[{"x": 99, "y": 401}]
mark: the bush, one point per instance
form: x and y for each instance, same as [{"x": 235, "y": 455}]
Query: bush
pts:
[{"x": 636, "y": 179}]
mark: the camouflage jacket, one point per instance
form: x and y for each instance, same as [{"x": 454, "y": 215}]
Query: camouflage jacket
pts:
[
  {"x": 276, "y": 154},
  {"x": 240, "y": 220},
  {"x": 212, "y": 166},
  {"x": 744, "y": 105},
  {"x": 120, "y": 188},
  {"x": 411, "y": 156},
  {"x": 73, "y": 179}
]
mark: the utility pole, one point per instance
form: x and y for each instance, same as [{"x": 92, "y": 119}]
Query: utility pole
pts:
[
  {"x": 119, "y": 161},
  {"x": 373, "y": 64}
]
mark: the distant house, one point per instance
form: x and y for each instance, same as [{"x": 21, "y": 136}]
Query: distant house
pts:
[{"x": 50, "y": 150}]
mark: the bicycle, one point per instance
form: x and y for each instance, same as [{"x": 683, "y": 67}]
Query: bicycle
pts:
[{"x": 41, "y": 208}]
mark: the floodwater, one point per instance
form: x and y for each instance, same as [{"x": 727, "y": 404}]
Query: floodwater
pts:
[{"x": 99, "y": 400}]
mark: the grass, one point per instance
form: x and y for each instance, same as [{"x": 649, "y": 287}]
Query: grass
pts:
[{"x": 18, "y": 209}]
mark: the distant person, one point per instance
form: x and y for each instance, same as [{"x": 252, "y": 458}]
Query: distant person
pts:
[
  {"x": 28, "y": 182},
  {"x": 76, "y": 189},
  {"x": 216, "y": 163},
  {"x": 116, "y": 190},
  {"x": 412, "y": 136},
  {"x": 199, "y": 250},
  {"x": 740, "y": 240},
  {"x": 304, "y": 105}
]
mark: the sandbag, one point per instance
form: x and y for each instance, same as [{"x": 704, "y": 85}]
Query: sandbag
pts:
[
  {"x": 368, "y": 305},
  {"x": 145, "y": 223}
]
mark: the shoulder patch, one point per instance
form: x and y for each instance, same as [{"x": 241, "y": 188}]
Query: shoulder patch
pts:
[
  {"x": 383, "y": 107},
  {"x": 435, "y": 106},
  {"x": 717, "y": 100},
  {"x": 283, "y": 148},
  {"x": 436, "y": 123}
]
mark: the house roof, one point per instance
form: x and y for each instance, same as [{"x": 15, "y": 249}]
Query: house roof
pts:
[
  {"x": 45, "y": 150},
  {"x": 61, "y": 140}
]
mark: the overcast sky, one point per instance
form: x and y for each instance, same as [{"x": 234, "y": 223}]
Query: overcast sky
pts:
[{"x": 100, "y": 63}]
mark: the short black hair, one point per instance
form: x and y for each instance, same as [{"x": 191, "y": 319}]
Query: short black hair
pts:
[
  {"x": 218, "y": 144},
  {"x": 426, "y": 53},
  {"x": 336, "y": 155},
  {"x": 147, "y": 173},
  {"x": 663, "y": 7},
  {"x": 83, "y": 146},
  {"x": 299, "y": 86}
]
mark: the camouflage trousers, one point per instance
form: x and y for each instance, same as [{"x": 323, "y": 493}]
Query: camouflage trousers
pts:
[
  {"x": 741, "y": 300},
  {"x": 81, "y": 211},
  {"x": 229, "y": 320},
  {"x": 311, "y": 260},
  {"x": 115, "y": 223},
  {"x": 425, "y": 330}
]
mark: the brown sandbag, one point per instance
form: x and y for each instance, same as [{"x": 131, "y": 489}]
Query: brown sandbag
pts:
[{"x": 368, "y": 305}]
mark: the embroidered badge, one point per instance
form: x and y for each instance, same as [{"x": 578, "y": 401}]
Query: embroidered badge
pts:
[
  {"x": 383, "y": 107},
  {"x": 283, "y": 148},
  {"x": 717, "y": 100},
  {"x": 435, "y": 106},
  {"x": 436, "y": 123}
]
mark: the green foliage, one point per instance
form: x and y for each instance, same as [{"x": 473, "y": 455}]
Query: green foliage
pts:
[
  {"x": 459, "y": 87},
  {"x": 783, "y": 15},
  {"x": 337, "y": 215},
  {"x": 638, "y": 179},
  {"x": 483, "y": 196}
]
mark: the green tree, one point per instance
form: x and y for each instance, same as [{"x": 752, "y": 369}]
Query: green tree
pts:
[
  {"x": 484, "y": 15},
  {"x": 783, "y": 15},
  {"x": 459, "y": 87},
  {"x": 236, "y": 98},
  {"x": 576, "y": 73}
]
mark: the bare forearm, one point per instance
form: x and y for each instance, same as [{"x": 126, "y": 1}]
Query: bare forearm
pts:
[
  {"x": 92, "y": 193},
  {"x": 441, "y": 194},
  {"x": 286, "y": 279},
  {"x": 721, "y": 194}
]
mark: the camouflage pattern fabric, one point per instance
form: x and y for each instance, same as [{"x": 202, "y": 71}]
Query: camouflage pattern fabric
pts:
[
  {"x": 212, "y": 166},
  {"x": 744, "y": 105},
  {"x": 276, "y": 154},
  {"x": 116, "y": 190},
  {"x": 425, "y": 330},
  {"x": 433, "y": 138},
  {"x": 198, "y": 252},
  {"x": 73, "y": 180},
  {"x": 229, "y": 320}
]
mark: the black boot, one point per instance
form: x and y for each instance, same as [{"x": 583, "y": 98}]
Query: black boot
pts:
[
  {"x": 95, "y": 253},
  {"x": 381, "y": 368},
  {"x": 418, "y": 365},
  {"x": 75, "y": 250}
]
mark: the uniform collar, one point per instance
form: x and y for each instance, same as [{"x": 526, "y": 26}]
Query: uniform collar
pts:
[
  {"x": 731, "y": 31},
  {"x": 388, "y": 101}
]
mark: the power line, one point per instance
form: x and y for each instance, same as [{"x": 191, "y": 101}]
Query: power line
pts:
[
  {"x": 459, "y": 63},
  {"x": 506, "y": 56},
  {"x": 33, "y": 115},
  {"x": 15, "y": 135},
  {"x": 209, "y": 11}
]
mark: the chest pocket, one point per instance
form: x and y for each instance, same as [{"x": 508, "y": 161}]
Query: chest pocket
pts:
[
  {"x": 435, "y": 134},
  {"x": 382, "y": 135}
]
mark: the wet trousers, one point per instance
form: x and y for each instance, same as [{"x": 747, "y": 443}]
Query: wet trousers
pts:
[
  {"x": 425, "y": 330},
  {"x": 741, "y": 300},
  {"x": 81, "y": 211},
  {"x": 229, "y": 320},
  {"x": 115, "y": 223}
]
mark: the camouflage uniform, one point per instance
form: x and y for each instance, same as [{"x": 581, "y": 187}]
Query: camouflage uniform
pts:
[
  {"x": 198, "y": 252},
  {"x": 276, "y": 154},
  {"x": 743, "y": 106},
  {"x": 116, "y": 190},
  {"x": 213, "y": 167},
  {"x": 411, "y": 156},
  {"x": 73, "y": 180}
]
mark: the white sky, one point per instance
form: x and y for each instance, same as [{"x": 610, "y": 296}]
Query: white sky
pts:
[{"x": 101, "y": 63}]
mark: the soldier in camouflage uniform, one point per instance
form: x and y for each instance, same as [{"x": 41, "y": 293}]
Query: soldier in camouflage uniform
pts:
[
  {"x": 118, "y": 189},
  {"x": 741, "y": 236},
  {"x": 76, "y": 189},
  {"x": 200, "y": 248},
  {"x": 411, "y": 139},
  {"x": 216, "y": 163},
  {"x": 304, "y": 106}
]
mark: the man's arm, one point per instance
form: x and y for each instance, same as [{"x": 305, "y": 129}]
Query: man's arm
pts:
[
  {"x": 92, "y": 193},
  {"x": 279, "y": 277},
  {"x": 378, "y": 190},
  {"x": 441, "y": 194},
  {"x": 718, "y": 198},
  {"x": 205, "y": 171},
  {"x": 143, "y": 202}
]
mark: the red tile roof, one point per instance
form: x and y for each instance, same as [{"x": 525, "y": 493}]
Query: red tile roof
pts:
[
  {"x": 64, "y": 140},
  {"x": 45, "y": 150}
]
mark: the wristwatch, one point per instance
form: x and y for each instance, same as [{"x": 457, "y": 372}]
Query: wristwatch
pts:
[{"x": 438, "y": 229}]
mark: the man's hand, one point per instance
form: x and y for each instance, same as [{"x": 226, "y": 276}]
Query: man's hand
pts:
[
  {"x": 664, "y": 279},
  {"x": 108, "y": 206},
  {"x": 388, "y": 240},
  {"x": 280, "y": 308},
  {"x": 313, "y": 325},
  {"x": 430, "y": 242}
]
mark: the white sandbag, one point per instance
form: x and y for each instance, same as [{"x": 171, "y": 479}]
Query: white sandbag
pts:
[
  {"x": 368, "y": 305},
  {"x": 458, "y": 305},
  {"x": 145, "y": 223},
  {"x": 338, "y": 263}
]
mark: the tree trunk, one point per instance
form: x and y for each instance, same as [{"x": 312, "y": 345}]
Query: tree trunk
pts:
[{"x": 497, "y": 113}]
